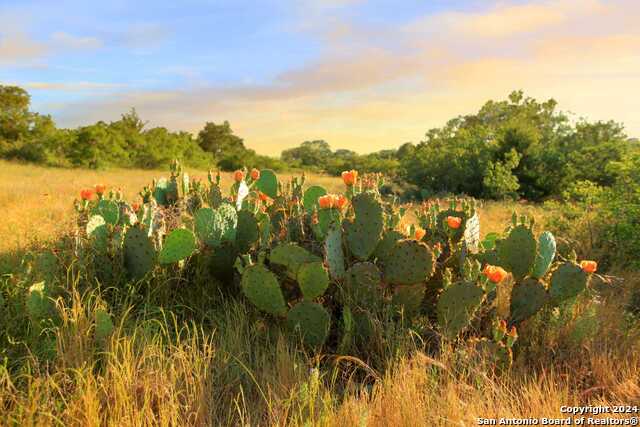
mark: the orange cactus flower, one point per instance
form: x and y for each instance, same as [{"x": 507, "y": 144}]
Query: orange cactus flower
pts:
[
  {"x": 135, "y": 206},
  {"x": 255, "y": 174},
  {"x": 513, "y": 333},
  {"x": 454, "y": 222},
  {"x": 589, "y": 266},
  {"x": 503, "y": 326},
  {"x": 349, "y": 177},
  {"x": 340, "y": 201},
  {"x": 86, "y": 194},
  {"x": 100, "y": 188},
  {"x": 494, "y": 273},
  {"x": 420, "y": 233},
  {"x": 326, "y": 202},
  {"x": 238, "y": 176},
  {"x": 262, "y": 196}
]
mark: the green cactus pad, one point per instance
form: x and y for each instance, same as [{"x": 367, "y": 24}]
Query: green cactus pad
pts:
[
  {"x": 333, "y": 253},
  {"x": 347, "y": 331},
  {"x": 248, "y": 232},
  {"x": 268, "y": 183},
  {"x": 109, "y": 210},
  {"x": 546, "y": 254},
  {"x": 97, "y": 231},
  {"x": 139, "y": 253},
  {"x": 261, "y": 287},
  {"x": 362, "y": 286},
  {"x": 410, "y": 262},
  {"x": 229, "y": 217},
  {"x": 311, "y": 320},
  {"x": 527, "y": 298},
  {"x": 214, "y": 197},
  {"x": 456, "y": 306},
  {"x": 160, "y": 191},
  {"x": 38, "y": 304},
  {"x": 364, "y": 233},
  {"x": 567, "y": 281},
  {"x": 46, "y": 266},
  {"x": 326, "y": 217},
  {"x": 222, "y": 261},
  {"x": 313, "y": 280},
  {"x": 103, "y": 325},
  {"x": 408, "y": 299},
  {"x": 209, "y": 226},
  {"x": 517, "y": 252},
  {"x": 178, "y": 245},
  {"x": 387, "y": 243},
  {"x": 310, "y": 197},
  {"x": 291, "y": 256}
]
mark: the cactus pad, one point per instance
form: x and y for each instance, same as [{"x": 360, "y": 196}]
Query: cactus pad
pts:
[
  {"x": 361, "y": 286},
  {"x": 567, "y": 281},
  {"x": 387, "y": 243},
  {"x": 38, "y": 304},
  {"x": 364, "y": 233},
  {"x": 222, "y": 260},
  {"x": 209, "y": 226},
  {"x": 313, "y": 280},
  {"x": 247, "y": 233},
  {"x": 310, "y": 197},
  {"x": 456, "y": 306},
  {"x": 229, "y": 217},
  {"x": 527, "y": 298},
  {"x": 333, "y": 253},
  {"x": 311, "y": 320},
  {"x": 139, "y": 253},
  {"x": 410, "y": 262},
  {"x": 109, "y": 210},
  {"x": 97, "y": 230},
  {"x": 261, "y": 287},
  {"x": 268, "y": 183},
  {"x": 291, "y": 256},
  {"x": 546, "y": 254},
  {"x": 178, "y": 245},
  {"x": 103, "y": 324},
  {"x": 408, "y": 299},
  {"x": 442, "y": 223},
  {"x": 517, "y": 252}
]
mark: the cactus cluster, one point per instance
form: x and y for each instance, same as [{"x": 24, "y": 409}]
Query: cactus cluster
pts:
[{"x": 328, "y": 265}]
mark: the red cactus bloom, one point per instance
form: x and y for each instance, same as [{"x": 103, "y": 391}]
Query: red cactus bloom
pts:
[
  {"x": 503, "y": 326},
  {"x": 349, "y": 177},
  {"x": 589, "y": 266},
  {"x": 513, "y": 333},
  {"x": 86, "y": 194},
  {"x": 255, "y": 174},
  {"x": 340, "y": 201},
  {"x": 238, "y": 176},
  {"x": 420, "y": 233},
  {"x": 100, "y": 188},
  {"x": 326, "y": 202},
  {"x": 135, "y": 206},
  {"x": 263, "y": 196},
  {"x": 454, "y": 222},
  {"x": 494, "y": 273}
]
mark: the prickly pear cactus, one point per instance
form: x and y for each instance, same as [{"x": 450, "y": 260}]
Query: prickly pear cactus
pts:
[
  {"x": 222, "y": 261},
  {"x": 109, "y": 210},
  {"x": 292, "y": 257},
  {"x": 268, "y": 183},
  {"x": 517, "y": 252},
  {"x": 310, "y": 198},
  {"x": 546, "y": 254},
  {"x": 97, "y": 232},
  {"x": 311, "y": 320},
  {"x": 567, "y": 281},
  {"x": 139, "y": 253},
  {"x": 388, "y": 241},
  {"x": 362, "y": 286},
  {"x": 456, "y": 306},
  {"x": 408, "y": 299},
  {"x": 209, "y": 226},
  {"x": 103, "y": 325},
  {"x": 410, "y": 262},
  {"x": 333, "y": 253},
  {"x": 347, "y": 331},
  {"x": 364, "y": 233},
  {"x": 313, "y": 280},
  {"x": 471, "y": 235},
  {"x": 247, "y": 233},
  {"x": 178, "y": 245},
  {"x": 229, "y": 217},
  {"x": 38, "y": 304},
  {"x": 261, "y": 287},
  {"x": 527, "y": 298}
]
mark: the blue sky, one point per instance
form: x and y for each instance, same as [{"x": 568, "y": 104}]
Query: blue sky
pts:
[{"x": 364, "y": 75}]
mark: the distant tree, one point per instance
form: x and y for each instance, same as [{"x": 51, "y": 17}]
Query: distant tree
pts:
[
  {"x": 15, "y": 117},
  {"x": 309, "y": 154},
  {"x": 220, "y": 140}
]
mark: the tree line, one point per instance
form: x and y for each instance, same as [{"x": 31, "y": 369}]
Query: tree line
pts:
[{"x": 518, "y": 147}]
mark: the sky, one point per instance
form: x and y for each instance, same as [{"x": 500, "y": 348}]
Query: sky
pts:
[{"x": 364, "y": 75}]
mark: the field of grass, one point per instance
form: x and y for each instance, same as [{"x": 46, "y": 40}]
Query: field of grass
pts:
[{"x": 228, "y": 367}]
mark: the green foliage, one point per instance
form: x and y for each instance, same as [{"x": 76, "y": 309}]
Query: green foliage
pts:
[
  {"x": 313, "y": 280},
  {"x": 311, "y": 320},
  {"x": 457, "y": 305},
  {"x": 178, "y": 245},
  {"x": 527, "y": 298},
  {"x": 567, "y": 281},
  {"x": 261, "y": 287},
  {"x": 139, "y": 253},
  {"x": 268, "y": 183}
]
